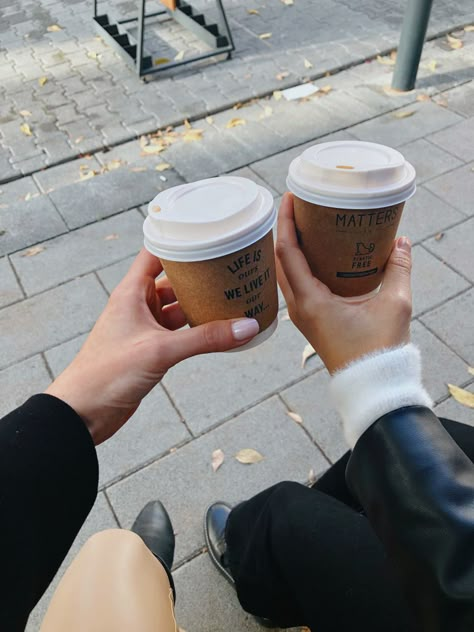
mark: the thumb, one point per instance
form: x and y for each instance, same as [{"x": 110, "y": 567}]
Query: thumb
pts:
[
  {"x": 218, "y": 335},
  {"x": 398, "y": 269}
]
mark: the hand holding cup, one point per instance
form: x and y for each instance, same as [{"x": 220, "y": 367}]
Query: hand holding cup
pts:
[{"x": 342, "y": 330}]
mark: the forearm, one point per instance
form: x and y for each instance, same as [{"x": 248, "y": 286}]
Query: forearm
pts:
[
  {"x": 48, "y": 484},
  {"x": 415, "y": 484}
]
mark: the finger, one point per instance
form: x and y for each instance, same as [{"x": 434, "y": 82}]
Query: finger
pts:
[
  {"x": 219, "y": 335},
  {"x": 284, "y": 285},
  {"x": 289, "y": 254},
  {"x": 145, "y": 265},
  {"x": 397, "y": 277},
  {"x": 164, "y": 291},
  {"x": 172, "y": 317}
]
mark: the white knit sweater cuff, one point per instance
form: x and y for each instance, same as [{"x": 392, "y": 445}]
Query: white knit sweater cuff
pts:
[{"x": 376, "y": 384}]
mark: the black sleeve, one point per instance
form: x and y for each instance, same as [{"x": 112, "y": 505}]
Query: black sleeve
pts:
[
  {"x": 417, "y": 488},
  {"x": 48, "y": 485}
]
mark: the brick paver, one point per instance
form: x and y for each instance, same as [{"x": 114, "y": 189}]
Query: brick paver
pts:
[{"x": 85, "y": 215}]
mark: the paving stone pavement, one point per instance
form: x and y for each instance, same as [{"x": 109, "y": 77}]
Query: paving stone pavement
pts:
[
  {"x": 77, "y": 95},
  {"x": 69, "y": 232}
]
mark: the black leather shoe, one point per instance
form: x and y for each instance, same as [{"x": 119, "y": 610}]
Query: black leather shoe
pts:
[
  {"x": 215, "y": 521},
  {"x": 154, "y": 527}
]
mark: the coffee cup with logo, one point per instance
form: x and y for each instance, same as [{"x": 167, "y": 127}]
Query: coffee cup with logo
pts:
[
  {"x": 348, "y": 201},
  {"x": 214, "y": 238}
]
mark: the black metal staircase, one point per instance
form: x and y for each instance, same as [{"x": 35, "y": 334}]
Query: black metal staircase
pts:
[{"x": 217, "y": 36}]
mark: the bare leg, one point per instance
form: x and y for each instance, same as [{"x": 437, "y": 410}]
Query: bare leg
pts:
[{"x": 115, "y": 584}]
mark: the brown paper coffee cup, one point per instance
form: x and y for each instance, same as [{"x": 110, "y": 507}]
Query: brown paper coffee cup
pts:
[
  {"x": 347, "y": 249},
  {"x": 237, "y": 285}
]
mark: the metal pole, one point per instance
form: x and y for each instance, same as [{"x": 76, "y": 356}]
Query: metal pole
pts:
[
  {"x": 141, "y": 34},
  {"x": 415, "y": 25}
]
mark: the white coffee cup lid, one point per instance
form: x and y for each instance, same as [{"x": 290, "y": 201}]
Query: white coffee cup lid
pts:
[
  {"x": 208, "y": 219},
  {"x": 351, "y": 174}
]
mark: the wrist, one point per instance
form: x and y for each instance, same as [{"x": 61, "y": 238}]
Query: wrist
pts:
[{"x": 376, "y": 384}]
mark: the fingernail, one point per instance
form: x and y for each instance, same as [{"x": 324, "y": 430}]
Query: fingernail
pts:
[
  {"x": 245, "y": 328},
  {"x": 404, "y": 244}
]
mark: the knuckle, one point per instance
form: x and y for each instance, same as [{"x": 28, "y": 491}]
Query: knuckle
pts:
[
  {"x": 402, "y": 260},
  {"x": 211, "y": 335}
]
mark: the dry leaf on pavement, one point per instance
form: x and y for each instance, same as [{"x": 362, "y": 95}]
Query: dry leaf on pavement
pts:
[
  {"x": 265, "y": 36},
  {"x": 442, "y": 101},
  {"x": 325, "y": 89},
  {"x": 54, "y": 28},
  {"x": 454, "y": 42},
  {"x": 138, "y": 169},
  {"x": 161, "y": 60},
  {"x": 253, "y": 11},
  {"x": 248, "y": 456},
  {"x": 26, "y": 129},
  {"x": 32, "y": 252},
  {"x": 277, "y": 95},
  {"x": 404, "y": 114},
  {"x": 192, "y": 135},
  {"x": 423, "y": 97},
  {"x": 308, "y": 352},
  {"x": 288, "y": 2},
  {"x": 267, "y": 111},
  {"x": 87, "y": 174},
  {"x": 163, "y": 166},
  {"x": 235, "y": 122},
  {"x": 42, "y": 81},
  {"x": 179, "y": 56},
  {"x": 307, "y": 63},
  {"x": 386, "y": 61},
  {"x": 282, "y": 75},
  {"x": 462, "y": 396},
  {"x": 93, "y": 55},
  {"x": 469, "y": 29},
  {"x": 187, "y": 124},
  {"x": 217, "y": 459},
  {"x": 209, "y": 120},
  {"x": 432, "y": 65},
  {"x": 439, "y": 236},
  {"x": 470, "y": 370},
  {"x": 25, "y": 113},
  {"x": 295, "y": 417},
  {"x": 311, "y": 477},
  {"x": 113, "y": 164},
  {"x": 153, "y": 149},
  {"x": 111, "y": 237}
]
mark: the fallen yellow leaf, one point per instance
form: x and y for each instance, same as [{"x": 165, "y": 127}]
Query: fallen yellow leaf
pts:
[
  {"x": 87, "y": 175},
  {"x": 308, "y": 352},
  {"x": 282, "y": 75},
  {"x": 267, "y": 111},
  {"x": 235, "y": 122},
  {"x": 32, "y": 252},
  {"x": 114, "y": 164},
  {"x": 470, "y": 369},
  {"x": 192, "y": 135},
  {"x": 161, "y": 60},
  {"x": 79, "y": 139},
  {"x": 153, "y": 149},
  {"x": 54, "y": 28},
  {"x": 386, "y": 61},
  {"x": 432, "y": 65},
  {"x": 26, "y": 129},
  {"x": 179, "y": 56},
  {"x": 265, "y": 36},
  {"x": 454, "y": 42},
  {"x": 439, "y": 236},
  {"x": 209, "y": 120},
  {"x": 277, "y": 95},
  {"x": 307, "y": 63},
  {"x": 138, "y": 169},
  {"x": 25, "y": 113},
  {"x": 288, "y": 2},
  {"x": 295, "y": 417},
  {"x": 462, "y": 396},
  {"x": 248, "y": 456},
  {"x": 403, "y": 114},
  {"x": 93, "y": 55},
  {"x": 111, "y": 237},
  {"x": 325, "y": 89},
  {"x": 217, "y": 459},
  {"x": 253, "y": 12},
  {"x": 423, "y": 97},
  {"x": 469, "y": 29},
  {"x": 42, "y": 81},
  {"x": 187, "y": 124},
  {"x": 163, "y": 166}
]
